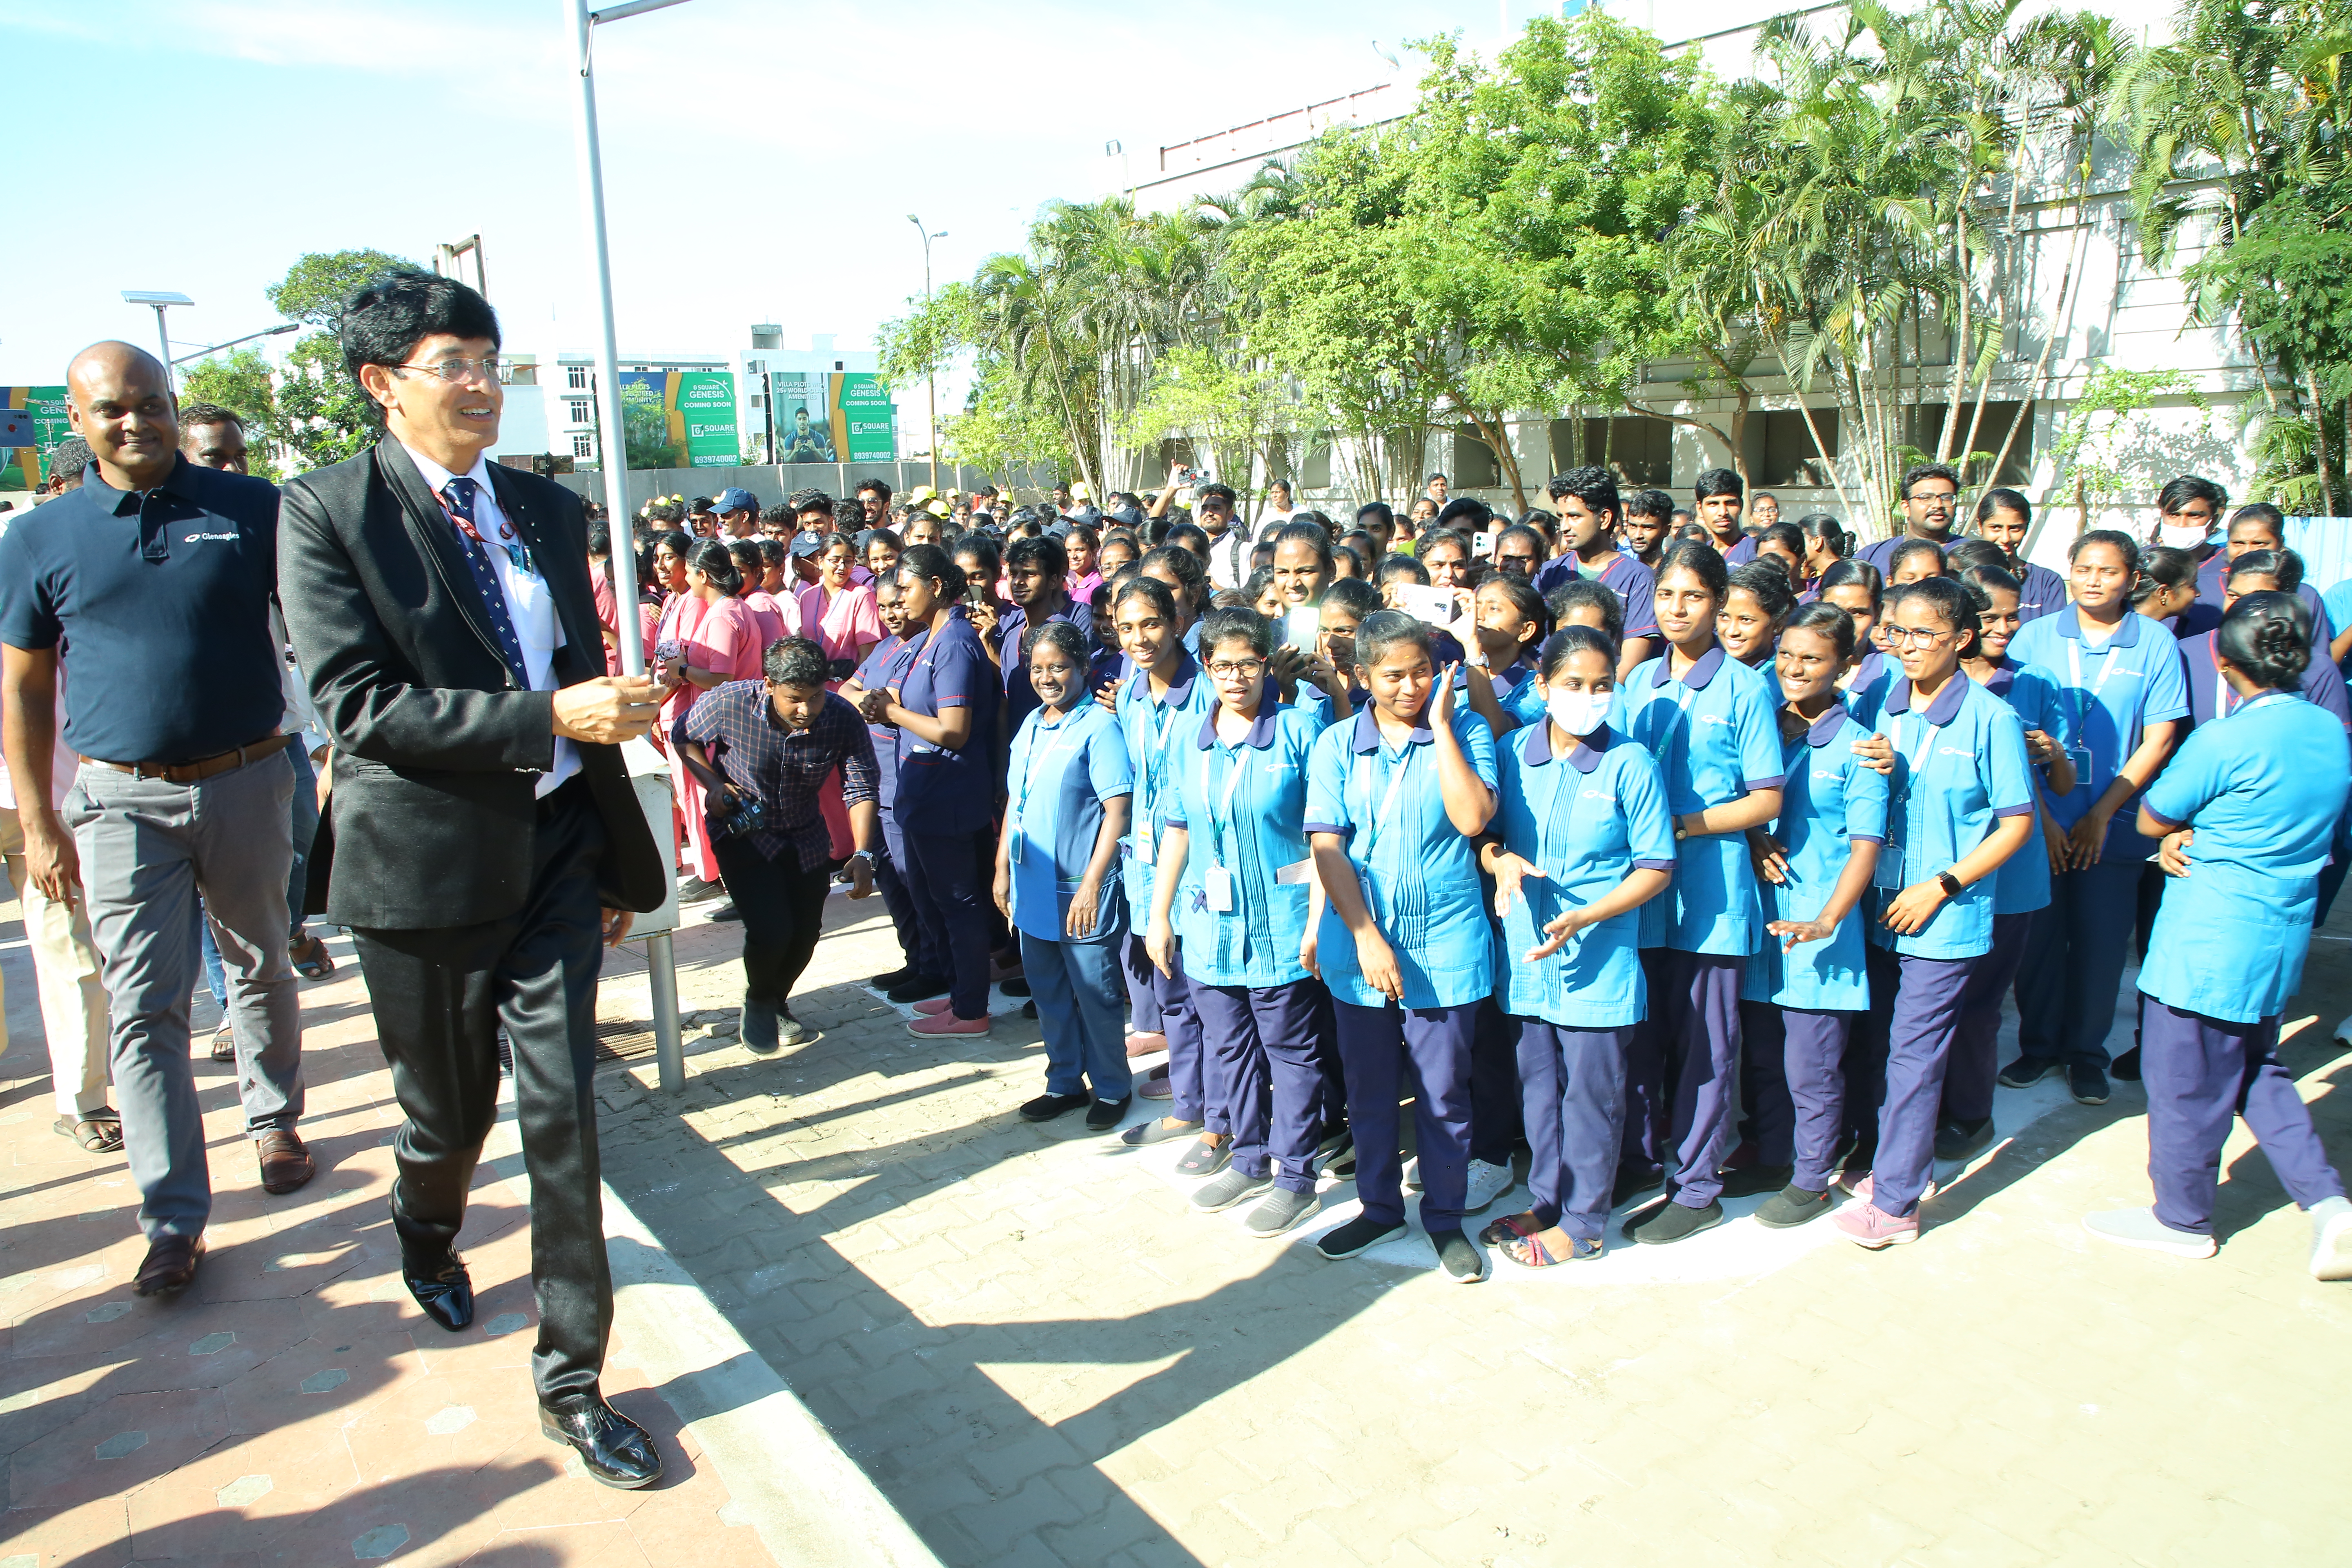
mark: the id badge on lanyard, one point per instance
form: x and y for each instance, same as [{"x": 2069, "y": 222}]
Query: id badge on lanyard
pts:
[
  {"x": 1888, "y": 874},
  {"x": 1147, "y": 851},
  {"x": 2081, "y": 751},
  {"x": 1216, "y": 878},
  {"x": 1017, "y": 839},
  {"x": 1372, "y": 823}
]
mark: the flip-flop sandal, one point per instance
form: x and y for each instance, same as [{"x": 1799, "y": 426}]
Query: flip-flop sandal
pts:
[
  {"x": 97, "y": 1133},
  {"x": 1502, "y": 1230},
  {"x": 319, "y": 965},
  {"x": 1530, "y": 1252},
  {"x": 224, "y": 1044}
]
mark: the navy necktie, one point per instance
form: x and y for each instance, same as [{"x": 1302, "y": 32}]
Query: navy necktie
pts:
[{"x": 458, "y": 495}]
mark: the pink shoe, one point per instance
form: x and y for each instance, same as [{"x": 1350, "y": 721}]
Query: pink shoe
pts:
[
  {"x": 1157, "y": 1086},
  {"x": 940, "y": 1025},
  {"x": 1146, "y": 1045},
  {"x": 933, "y": 1005},
  {"x": 1859, "y": 1186},
  {"x": 1866, "y": 1225}
]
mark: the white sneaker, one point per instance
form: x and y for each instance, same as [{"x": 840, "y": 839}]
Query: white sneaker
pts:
[
  {"x": 1411, "y": 1180},
  {"x": 2331, "y": 1239},
  {"x": 2344, "y": 1031},
  {"x": 2140, "y": 1227},
  {"x": 1488, "y": 1183}
]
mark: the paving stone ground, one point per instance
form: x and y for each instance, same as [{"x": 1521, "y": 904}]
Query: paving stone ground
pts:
[{"x": 1041, "y": 1357}]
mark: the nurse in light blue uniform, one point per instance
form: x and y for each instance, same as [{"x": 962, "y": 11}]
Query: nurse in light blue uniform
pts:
[
  {"x": 1584, "y": 840},
  {"x": 2021, "y": 886},
  {"x": 2246, "y": 811},
  {"x": 1160, "y": 709},
  {"x": 1959, "y": 804},
  {"x": 2119, "y": 676},
  {"x": 1510, "y": 623},
  {"x": 1708, "y": 721},
  {"x": 1057, "y": 860},
  {"x": 1232, "y": 880},
  {"x": 1802, "y": 991},
  {"x": 1393, "y": 799}
]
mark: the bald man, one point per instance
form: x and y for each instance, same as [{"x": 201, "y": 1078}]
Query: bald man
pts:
[{"x": 155, "y": 576}]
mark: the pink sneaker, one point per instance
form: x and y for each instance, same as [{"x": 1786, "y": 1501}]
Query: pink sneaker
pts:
[
  {"x": 1146, "y": 1045},
  {"x": 931, "y": 1004},
  {"x": 1859, "y": 1186},
  {"x": 940, "y": 1025},
  {"x": 1866, "y": 1225}
]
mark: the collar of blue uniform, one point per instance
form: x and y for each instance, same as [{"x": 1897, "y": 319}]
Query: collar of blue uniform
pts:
[
  {"x": 2003, "y": 676},
  {"x": 1367, "y": 737},
  {"x": 1261, "y": 730},
  {"x": 1824, "y": 730},
  {"x": 2070, "y": 624},
  {"x": 1939, "y": 711},
  {"x": 1585, "y": 755},
  {"x": 1179, "y": 691},
  {"x": 1700, "y": 673}
]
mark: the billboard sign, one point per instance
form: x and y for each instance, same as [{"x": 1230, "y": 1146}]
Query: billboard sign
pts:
[
  {"x": 833, "y": 416},
  {"x": 32, "y": 422},
  {"x": 681, "y": 419}
]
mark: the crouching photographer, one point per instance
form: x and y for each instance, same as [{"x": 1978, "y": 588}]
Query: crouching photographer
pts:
[{"x": 761, "y": 749}]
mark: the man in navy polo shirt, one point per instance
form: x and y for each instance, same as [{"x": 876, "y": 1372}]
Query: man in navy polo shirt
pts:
[{"x": 154, "y": 578}]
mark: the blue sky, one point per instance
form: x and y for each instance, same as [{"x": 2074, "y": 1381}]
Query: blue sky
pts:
[{"x": 761, "y": 158}]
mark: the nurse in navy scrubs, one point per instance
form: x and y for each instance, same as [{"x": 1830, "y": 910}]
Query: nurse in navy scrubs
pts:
[
  {"x": 1584, "y": 840},
  {"x": 2245, "y": 812},
  {"x": 1961, "y": 803},
  {"x": 1395, "y": 797}
]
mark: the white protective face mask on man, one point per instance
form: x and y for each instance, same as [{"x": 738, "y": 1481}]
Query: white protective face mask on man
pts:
[
  {"x": 1579, "y": 712},
  {"x": 2182, "y": 535}
]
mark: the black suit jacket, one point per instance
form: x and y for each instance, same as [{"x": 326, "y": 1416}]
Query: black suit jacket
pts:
[{"x": 437, "y": 750}]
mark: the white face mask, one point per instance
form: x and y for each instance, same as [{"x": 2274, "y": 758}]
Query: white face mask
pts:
[
  {"x": 1579, "y": 712},
  {"x": 2182, "y": 535}
]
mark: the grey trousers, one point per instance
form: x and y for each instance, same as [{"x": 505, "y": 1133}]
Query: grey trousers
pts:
[{"x": 148, "y": 849}]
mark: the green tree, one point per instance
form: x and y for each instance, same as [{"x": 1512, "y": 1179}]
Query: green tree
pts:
[
  {"x": 646, "y": 423},
  {"x": 327, "y": 417}
]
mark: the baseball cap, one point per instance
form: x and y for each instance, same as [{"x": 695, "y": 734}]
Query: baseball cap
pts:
[
  {"x": 804, "y": 545},
  {"x": 735, "y": 498}
]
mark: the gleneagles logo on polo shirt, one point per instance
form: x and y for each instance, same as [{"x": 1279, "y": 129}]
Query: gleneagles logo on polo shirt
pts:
[{"x": 195, "y": 538}]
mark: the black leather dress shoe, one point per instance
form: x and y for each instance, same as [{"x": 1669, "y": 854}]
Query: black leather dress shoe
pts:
[
  {"x": 615, "y": 1450},
  {"x": 444, "y": 1290}
]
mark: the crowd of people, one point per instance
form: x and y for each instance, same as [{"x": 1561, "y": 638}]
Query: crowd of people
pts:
[{"x": 1693, "y": 849}]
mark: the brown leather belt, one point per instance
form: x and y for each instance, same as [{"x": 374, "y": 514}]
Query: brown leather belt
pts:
[{"x": 204, "y": 767}]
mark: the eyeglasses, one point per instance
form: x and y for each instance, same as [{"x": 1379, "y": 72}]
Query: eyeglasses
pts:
[
  {"x": 1922, "y": 637},
  {"x": 1239, "y": 670},
  {"x": 457, "y": 370},
  {"x": 1935, "y": 498}
]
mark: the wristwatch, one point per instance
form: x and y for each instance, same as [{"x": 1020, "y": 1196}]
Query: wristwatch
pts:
[
  {"x": 1950, "y": 884},
  {"x": 865, "y": 855}
]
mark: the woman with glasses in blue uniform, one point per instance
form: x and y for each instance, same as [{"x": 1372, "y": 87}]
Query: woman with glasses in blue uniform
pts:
[
  {"x": 1580, "y": 840},
  {"x": 1961, "y": 803},
  {"x": 1393, "y": 799},
  {"x": 1232, "y": 876},
  {"x": 2244, "y": 813},
  {"x": 1706, "y": 719}
]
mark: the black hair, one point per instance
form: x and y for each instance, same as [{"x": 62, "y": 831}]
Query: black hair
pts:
[
  {"x": 600, "y": 537},
  {"x": 67, "y": 459},
  {"x": 1570, "y": 641},
  {"x": 810, "y": 501},
  {"x": 1436, "y": 535},
  {"x": 1831, "y": 621},
  {"x": 1260, "y": 579},
  {"x": 1063, "y": 636},
  {"x": 680, "y": 543},
  {"x": 1120, "y": 537},
  {"x": 1919, "y": 472},
  {"x": 1297, "y": 532},
  {"x": 1523, "y": 596},
  {"x": 1185, "y": 568},
  {"x": 712, "y": 559},
  {"x": 794, "y": 661},
  {"x": 1524, "y": 530},
  {"x": 745, "y": 553},
  {"x": 1593, "y": 485},
  {"x": 668, "y": 511},
  {"x": 1703, "y": 561},
  {"x": 1823, "y": 529},
  {"x": 883, "y": 536},
  {"x": 1786, "y": 535},
  {"x": 2284, "y": 565},
  {"x": 1766, "y": 583},
  {"x": 1356, "y": 595},
  {"x": 1717, "y": 482},
  {"x": 1045, "y": 553},
  {"x": 1578, "y": 592},
  {"x": 879, "y": 487},
  {"x": 2162, "y": 566},
  {"x": 1981, "y": 583},
  {"x": 1188, "y": 536},
  {"x": 982, "y": 550},
  {"x": 1477, "y": 511},
  {"x": 1968, "y": 554},
  {"x": 1656, "y": 505},
  {"x": 2003, "y": 499},
  {"x": 2122, "y": 544},
  {"x": 1223, "y": 492},
  {"x": 1393, "y": 568},
  {"x": 772, "y": 552},
  {"x": 1379, "y": 512},
  {"x": 848, "y": 517},
  {"x": 385, "y": 319},
  {"x": 1083, "y": 533},
  {"x": 194, "y": 414},
  {"x": 777, "y": 516},
  {"x": 1842, "y": 573},
  {"x": 1383, "y": 629},
  {"x": 1152, "y": 591},
  {"x": 2253, "y": 512},
  {"x": 1262, "y": 555},
  {"x": 1227, "y": 625},
  {"x": 2268, "y": 636},
  {"x": 925, "y": 562},
  {"x": 1355, "y": 559},
  {"x": 2178, "y": 493},
  {"x": 1907, "y": 547},
  {"x": 1950, "y": 599}
]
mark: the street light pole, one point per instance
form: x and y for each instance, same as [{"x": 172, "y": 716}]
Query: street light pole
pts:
[
  {"x": 265, "y": 332},
  {"x": 161, "y": 300},
  {"x": 930, "y": 375},
  {"x": 613, "y": 456}
]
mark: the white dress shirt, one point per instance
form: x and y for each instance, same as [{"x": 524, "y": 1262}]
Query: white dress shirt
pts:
[{"x": 529, "y": 604}]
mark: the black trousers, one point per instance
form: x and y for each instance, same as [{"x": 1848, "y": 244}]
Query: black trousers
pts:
[
  {"x": 439, "y": 995},
  {"x": 782, "y": 908}
]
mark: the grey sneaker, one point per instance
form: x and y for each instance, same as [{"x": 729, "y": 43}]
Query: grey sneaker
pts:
[
  {"x": 790, "y": 1031},
  {"x": 1282, "y": 1209},
  {"x": 1227, "y": 1188},
  {"x": 2331, "y": 1239},
  {"x": 2141, "y": 1228},
  {"x": 1487, "y": 1182}
]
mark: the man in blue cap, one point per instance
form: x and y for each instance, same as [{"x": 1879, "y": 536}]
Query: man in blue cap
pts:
[{"x": 739, "y": 512}]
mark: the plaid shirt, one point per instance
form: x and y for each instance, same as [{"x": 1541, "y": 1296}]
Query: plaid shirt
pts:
[{"x": 784, "y": 768}]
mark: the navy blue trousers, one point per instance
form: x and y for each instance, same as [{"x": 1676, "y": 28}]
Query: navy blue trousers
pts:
[
  {"x": 1925, "y": 996},
  {"x": 953, "y": 903},
  {"x": 2199, "y": 1073},
  {"x": 1975, "y": 1037},
  {"x": 1680, "y": 1067},
  {"x": 1391, "y": 1052},
  {"x": 1572, "y": 1098},
  {"x": 2074, "y": 961},
  {"x": 1265, "y": 1067},
  {"x": 1792, "y": 1076}
]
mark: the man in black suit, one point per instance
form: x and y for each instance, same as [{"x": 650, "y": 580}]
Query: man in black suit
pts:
[{"x": 482, "y": 832}]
